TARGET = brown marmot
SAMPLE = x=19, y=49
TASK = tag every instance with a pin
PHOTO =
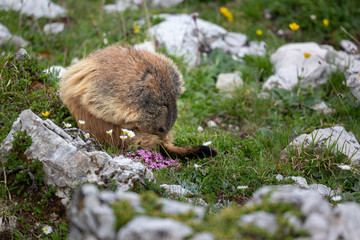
x=126, y=88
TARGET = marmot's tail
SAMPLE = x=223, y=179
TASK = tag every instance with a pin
x=187, y=152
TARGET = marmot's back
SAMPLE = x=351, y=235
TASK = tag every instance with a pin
x=121, y=87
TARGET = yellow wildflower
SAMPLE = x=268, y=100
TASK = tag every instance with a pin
x=225, y=11
x=326, y=22
x=259, y=32
x=136, y=29
x=45, y=114
x=293, y=26
x=306, y=55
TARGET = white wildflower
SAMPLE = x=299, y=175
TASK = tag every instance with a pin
x=336, y=198
x=47, y=229
x=81, y=122
x=345, y=167
x=196, y=166
x=211, y=123
x=67, y=125
x=200, y=129
x=131, y=134
x=87, y=135
x=207, y=143
x=123, y=137
x=109, y=132
x=242, y=187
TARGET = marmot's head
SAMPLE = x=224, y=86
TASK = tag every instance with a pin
x=159, y=88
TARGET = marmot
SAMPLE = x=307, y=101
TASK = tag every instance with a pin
x=120, y=87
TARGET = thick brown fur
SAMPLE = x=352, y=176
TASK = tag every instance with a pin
x=122, y=87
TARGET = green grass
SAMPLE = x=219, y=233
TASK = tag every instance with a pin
x=251, y=132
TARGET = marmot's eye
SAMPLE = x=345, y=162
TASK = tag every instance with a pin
x=161, y=129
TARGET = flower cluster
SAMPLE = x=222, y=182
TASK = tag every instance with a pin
x=225, y=11
x=152, y=160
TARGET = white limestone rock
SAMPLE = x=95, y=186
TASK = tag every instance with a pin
x=176, y=190
x=261, y=219
x=255, y=48
x=148, y=45
x=6, y=36
x=227, y=82
x=292, y=67
x=302, y=183
x=182, y=37
x=36, y=8
x=122, y=5
x=176, y=208
x=68, y=162
x=91, y=217
x=345, y=221
x=343, y=141
x=149, y=228
x=165, y=3
x=352, y=76
x=323, y=108
x=57, y=70
x=53, y=28
x=349, y=46
x=321, y=221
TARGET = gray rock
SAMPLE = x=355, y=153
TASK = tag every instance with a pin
x=301, y=182
x=122, y=5
x=90, y=217
x=306, y=200
x=227, y=82
x=68, y=161
x=343, y=141
x=255, y=48
x=322, y=190
x=352, y=76
x=149, y=228
x=175, y=208
x=58, y=70
x=36, y=8
x=165, y=3
x=6, y=36
x=203, y=236
x=293, y=220
x=293, y=68
x=176, y=190
x=53, y=28
x=345, y=222
x=323, y=108
x=183, y=37
x=148, y=45
x=317, y=225
x=261, y=219
x=21, y=54
x=349, y=46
